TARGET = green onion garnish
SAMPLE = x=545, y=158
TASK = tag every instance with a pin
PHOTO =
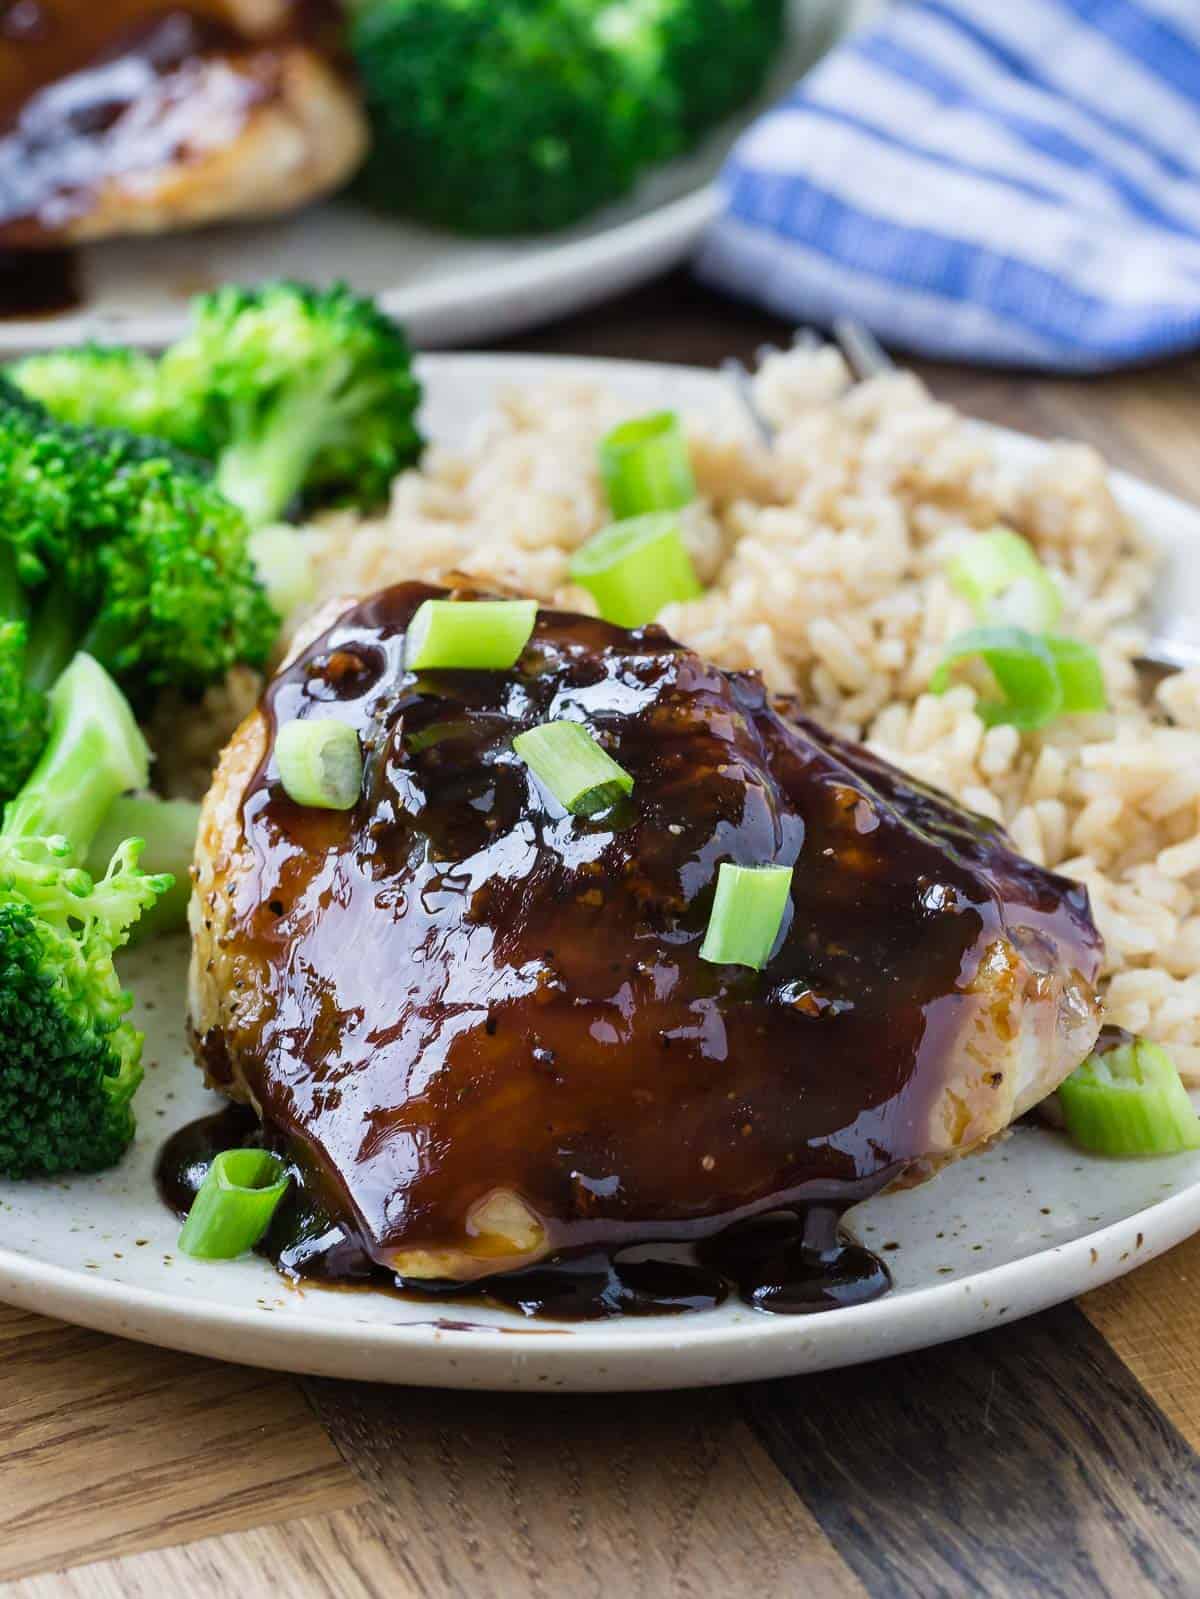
x=632, y=569
x=746, y=914
x=1005, y=582
x=234, y=1206
x=645, y=466
x=320, y=763
x=1079, y=675
x=1039, y=677
x=1129, y=1101
x=566, y=759
x=469, y=635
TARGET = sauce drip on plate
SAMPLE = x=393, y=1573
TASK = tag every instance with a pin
x=783, y=1264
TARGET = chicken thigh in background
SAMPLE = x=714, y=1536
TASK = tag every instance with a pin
x=131, y=116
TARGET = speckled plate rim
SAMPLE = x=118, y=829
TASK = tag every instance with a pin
x=660, y=1352
x=656, y=1353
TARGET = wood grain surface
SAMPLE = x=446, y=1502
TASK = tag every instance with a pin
x=1057, y=1456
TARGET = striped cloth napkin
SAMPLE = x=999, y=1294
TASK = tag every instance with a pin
x=1011, y=181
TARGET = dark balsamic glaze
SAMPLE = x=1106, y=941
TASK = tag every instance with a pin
x=105, y=90
x=796, y=1265
x=1113, y=1037
x=38, y=282
x=456, y=990
x=783, y=1264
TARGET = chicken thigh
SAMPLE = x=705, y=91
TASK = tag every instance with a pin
x=481, y=1026
x=127, y=116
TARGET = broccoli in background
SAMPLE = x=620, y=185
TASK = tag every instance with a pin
x=70, y=1062
x=99, y=385
x=292, y=391
x=526, y=116
x=115, y=545
x=717, y=52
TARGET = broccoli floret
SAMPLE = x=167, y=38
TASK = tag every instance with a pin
x=496, y=119
x=718, y=53
x=295, y=391
x=121, y=546
x=22, y=703
x=526, y=116
x=22, y=709
x=70, y=1061
x=100, y=385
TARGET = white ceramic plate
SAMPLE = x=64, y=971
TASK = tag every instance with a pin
x=447, y=289
x=998, y=1236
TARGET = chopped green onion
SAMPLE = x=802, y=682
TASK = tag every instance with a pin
x=566, y=759
x=1039, y=676
x=1079, y=675
x=746, y=914
x=435, y=733
x=1022, y=666
x=234, y=1206
x=320, y=763
x=632, y=569
x=1005, y=582
x=469, y=635
x=1129, y=1101
x=645, y=466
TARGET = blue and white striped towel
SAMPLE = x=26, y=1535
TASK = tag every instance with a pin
x=1013, y=181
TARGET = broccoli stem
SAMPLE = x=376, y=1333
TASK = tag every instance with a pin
x=94, y=752
x=53, y=640
x=14, y=602
x=53, y=626
x=168, y=829
x=263, y=473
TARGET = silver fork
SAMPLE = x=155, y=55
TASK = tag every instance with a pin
x=1173, y=641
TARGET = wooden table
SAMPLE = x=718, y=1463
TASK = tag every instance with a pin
x=1051, y=1457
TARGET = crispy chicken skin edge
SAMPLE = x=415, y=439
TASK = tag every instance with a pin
x=301, y=140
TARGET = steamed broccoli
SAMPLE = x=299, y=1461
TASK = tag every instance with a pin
x=69, y=1060
x=296, y=390
x=291, y=391
x=119, y=546
x=526, y=116
x=99, y=385
x=717, y=52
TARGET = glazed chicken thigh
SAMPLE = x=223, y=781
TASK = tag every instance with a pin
x=481, y=1027
x=128, y=116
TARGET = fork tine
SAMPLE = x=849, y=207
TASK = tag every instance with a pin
x=865, y=356
x=744, y=384
x=804, y=339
